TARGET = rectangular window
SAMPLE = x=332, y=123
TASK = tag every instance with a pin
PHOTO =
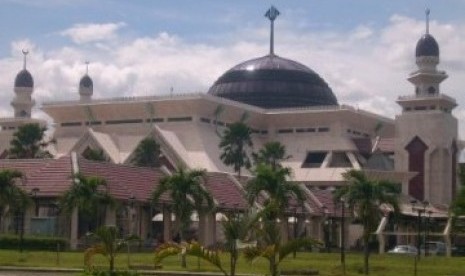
x=286, y=130
x=129, y=121
x=93, y=123
x=314, y=159
x=323, y=129
x=205, y=120
x=264, y=132
x=71, y=124
x=300, y=130
x=180, y=119
x=311, y=129
x=155, y=120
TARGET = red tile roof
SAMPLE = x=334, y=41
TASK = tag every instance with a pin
x=123, y=180
x=225, y=191
x=50, y=176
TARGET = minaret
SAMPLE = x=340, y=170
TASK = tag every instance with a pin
x=24, y=86
x=272, y=13
x=426, y=131
x=86, y=86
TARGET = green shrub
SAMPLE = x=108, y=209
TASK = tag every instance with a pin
x=108, y=273
x=33, y=242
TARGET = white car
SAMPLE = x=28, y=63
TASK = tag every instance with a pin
x=404, y=249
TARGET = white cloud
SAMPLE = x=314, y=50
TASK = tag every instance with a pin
x=85, y=33
x=365, y=67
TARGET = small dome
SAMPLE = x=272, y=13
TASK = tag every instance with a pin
x=273, y=82
x=24, y=79
x=427, y=46
x=86, y=81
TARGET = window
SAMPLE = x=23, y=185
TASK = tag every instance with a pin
x=286, y=130
x=314, y=159
x=71, y=124
x=93, y=123
x=340, y=160
x=180, y=119
x=205, y=120
x=155, y=120
x=129, y=121
x=323, y=129
x=431, y=90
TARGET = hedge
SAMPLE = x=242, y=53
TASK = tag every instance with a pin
x=33, y=242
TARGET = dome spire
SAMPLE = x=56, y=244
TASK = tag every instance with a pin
x=427, y=12
x=25, y=52
x=272, y=13
x=87, y=67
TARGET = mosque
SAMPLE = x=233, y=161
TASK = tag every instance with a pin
x=280, y=100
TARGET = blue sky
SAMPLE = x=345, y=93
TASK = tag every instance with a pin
x=364, y=49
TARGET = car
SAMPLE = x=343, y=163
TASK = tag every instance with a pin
x=434, y=248
x=404, y=249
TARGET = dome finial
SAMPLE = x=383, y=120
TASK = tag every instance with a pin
x=272, y=13
x=25, y=52
x=87, y=67
x=427, y=12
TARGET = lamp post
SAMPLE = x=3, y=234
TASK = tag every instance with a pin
x=428, y=220
x=420, y=210
x=343, y=253
x=295, y=229
x=326, y=228
x=33, y=193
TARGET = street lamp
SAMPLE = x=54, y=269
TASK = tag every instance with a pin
x=343, y=253
x=420, y=210
x=428, y=225
x=33, y=193
x=295, y=228
x=326, y=228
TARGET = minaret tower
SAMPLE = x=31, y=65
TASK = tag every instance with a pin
x=24, y=86
x=426, y=131
x=86, y=86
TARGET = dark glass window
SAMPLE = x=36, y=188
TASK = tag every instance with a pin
x=314, y=159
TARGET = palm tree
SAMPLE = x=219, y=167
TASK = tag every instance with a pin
x=147, y=153
x=235, y=228
x=270, y=245
x=273, y=181
x=28, y=142
x=185, y=189
x=272, y=153
x=365, y=196
x=89, y=195
x=13, y=199
x=109, y=245
x=234, y=144
x=11, y=196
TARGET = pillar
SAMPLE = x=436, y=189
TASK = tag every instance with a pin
x=110, y=216
x=167, y=225
x=74, y=229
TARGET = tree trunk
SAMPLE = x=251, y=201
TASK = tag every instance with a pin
x=273, y=268
x=182, y=239
x=366, y=250
x=112, y=264
x=233, y=260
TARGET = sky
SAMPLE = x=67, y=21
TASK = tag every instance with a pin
x=364, y=49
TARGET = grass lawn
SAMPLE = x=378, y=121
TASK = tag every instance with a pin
x=327, y=263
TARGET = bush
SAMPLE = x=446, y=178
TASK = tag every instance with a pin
x=33, y=242
x=108, y=273
x=308, y=271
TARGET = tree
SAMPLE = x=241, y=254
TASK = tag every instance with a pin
x=186, y=192
x=273, y=181
x=94, y=155
x=12, y=197
x=272, y=153
x=89, y=195
x=109, y=245
x=28, y=142
x=147, y=153
x=234, y=144
x=270, y=245
x=235, y=228
x=365, y=196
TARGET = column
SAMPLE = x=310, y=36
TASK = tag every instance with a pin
x=166, y=225
x=110, y=216
x=74, y=229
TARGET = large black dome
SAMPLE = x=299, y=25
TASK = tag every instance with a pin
x=273, y=82
x=427, y=46
x=24, y=79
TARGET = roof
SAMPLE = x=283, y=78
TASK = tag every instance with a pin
x=24, y=79
x=427, y=46
x=273, y=82
x=225, y=190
